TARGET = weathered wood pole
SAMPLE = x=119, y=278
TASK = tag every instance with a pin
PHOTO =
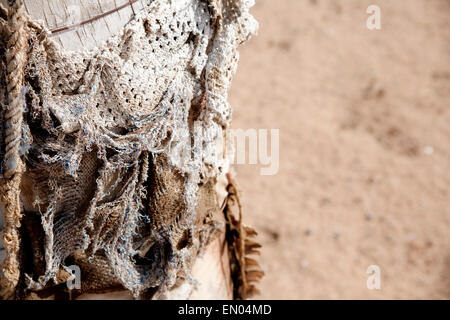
x=83, y=25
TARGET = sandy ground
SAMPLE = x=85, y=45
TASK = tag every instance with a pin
x=364, y=150
x=364, y=147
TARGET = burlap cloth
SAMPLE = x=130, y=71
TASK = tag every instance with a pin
x=116, y=146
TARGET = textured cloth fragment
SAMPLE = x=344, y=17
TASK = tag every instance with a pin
x=118, y=145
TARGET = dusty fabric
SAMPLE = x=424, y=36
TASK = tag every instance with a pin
x=105, y=186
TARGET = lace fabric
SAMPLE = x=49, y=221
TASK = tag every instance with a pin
x=102, y=135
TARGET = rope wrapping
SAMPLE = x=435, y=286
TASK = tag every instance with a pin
x=16, y=59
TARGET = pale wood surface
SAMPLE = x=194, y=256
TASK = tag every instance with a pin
x=57, y=14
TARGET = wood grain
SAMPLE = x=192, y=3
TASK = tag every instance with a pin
x=86, y=24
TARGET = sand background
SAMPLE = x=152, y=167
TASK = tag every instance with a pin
x=364, y=147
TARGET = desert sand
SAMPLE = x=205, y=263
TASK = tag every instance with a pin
x=364, y=147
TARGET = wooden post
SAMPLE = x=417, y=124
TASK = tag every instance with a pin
x=83, y=25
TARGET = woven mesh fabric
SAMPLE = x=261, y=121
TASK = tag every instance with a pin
x=105, y=187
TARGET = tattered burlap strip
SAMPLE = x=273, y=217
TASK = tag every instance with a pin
x=120, y=150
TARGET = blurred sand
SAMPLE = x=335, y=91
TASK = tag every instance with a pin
x=365, y=147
